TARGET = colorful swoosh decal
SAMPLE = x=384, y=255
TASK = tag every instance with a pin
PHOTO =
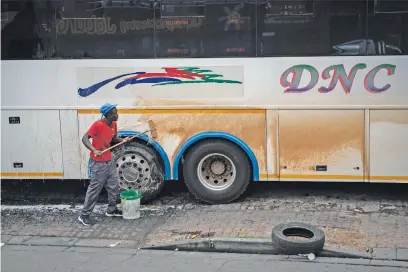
x=170, y=76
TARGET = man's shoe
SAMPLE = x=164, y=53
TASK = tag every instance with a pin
x=85, y=220
x=116, y=212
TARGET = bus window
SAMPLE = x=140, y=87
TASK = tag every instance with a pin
x=231, y=29
x=27, y=30
x=123, y=32
x=347, y=27
x=179, y=37
x=311, y=28
x=387, y=27
x=292, y=28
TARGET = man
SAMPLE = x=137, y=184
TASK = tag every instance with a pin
x=103, y=169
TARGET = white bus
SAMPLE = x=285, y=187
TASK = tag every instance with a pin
x=239, y=91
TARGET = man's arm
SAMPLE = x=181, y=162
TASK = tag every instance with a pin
x=87, y=143
x=116, y=139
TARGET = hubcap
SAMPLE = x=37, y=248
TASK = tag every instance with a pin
x=216, y=171
x=133, y=171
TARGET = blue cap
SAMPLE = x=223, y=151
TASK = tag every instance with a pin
x=106, y=108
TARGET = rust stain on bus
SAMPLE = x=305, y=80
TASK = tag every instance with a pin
x=249, y=127
x=327, y=137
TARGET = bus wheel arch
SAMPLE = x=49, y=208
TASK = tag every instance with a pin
x=216, y=170
x=141, y=166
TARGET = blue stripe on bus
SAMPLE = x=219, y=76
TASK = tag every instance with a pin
x=155, y=145
x=223, y=135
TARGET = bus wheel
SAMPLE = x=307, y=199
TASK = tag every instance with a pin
x=216, y=171
x=139, y=169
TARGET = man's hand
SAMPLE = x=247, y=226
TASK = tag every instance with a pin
x=97, y=152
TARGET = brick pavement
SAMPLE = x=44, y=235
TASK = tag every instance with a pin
x=348, y=224
x=357, y=220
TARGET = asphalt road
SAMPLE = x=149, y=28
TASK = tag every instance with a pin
x=44, y=259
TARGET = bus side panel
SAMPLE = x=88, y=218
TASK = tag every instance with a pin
x=175, y=127
x=31, y=144
x=70, y=144
x=322, y=145
x=389, y=145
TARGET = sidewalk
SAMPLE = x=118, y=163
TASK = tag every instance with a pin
x=347, y=223
x=25, y=258
x=350, y=220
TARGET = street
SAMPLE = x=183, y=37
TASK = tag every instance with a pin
x=44, y=259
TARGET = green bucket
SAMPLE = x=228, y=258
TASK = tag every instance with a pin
x=130, y=195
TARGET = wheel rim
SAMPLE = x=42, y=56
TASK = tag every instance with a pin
x=216, y=172
x=133, y=171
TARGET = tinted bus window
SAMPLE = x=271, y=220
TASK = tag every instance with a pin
x=27, y=30
x=311, y=28
x=179, y=37
x=224, y=30
x=122, y=32
x=387, y=27
x=231, y=29
x=347, y=24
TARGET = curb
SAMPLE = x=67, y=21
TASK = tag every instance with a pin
x=222, y=245
x=261, y=246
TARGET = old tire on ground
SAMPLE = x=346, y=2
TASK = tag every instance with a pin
x=139, y=169
x=216, y=171
x=285, y=245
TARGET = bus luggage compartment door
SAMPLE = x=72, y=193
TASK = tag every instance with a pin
x=322, y=145
x=389, y=146
x=31, y=144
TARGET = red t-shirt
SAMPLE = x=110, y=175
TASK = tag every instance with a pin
x=102, y=135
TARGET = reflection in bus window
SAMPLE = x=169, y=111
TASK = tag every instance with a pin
x=347, y=27
x=28, y=30
x=47, y=29
x=179, y=37
x=230, y=30
x=299, y=30
x=122, y=33
x=387, y=28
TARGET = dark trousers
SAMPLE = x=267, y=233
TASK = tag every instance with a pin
x=104, y=174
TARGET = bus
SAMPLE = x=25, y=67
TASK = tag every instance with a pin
x=239, y=91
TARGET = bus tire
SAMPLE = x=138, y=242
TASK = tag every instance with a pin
x=139, y=169
x=216, y=171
